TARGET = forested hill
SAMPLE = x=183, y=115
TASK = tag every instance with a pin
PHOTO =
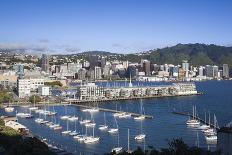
x=196, y=54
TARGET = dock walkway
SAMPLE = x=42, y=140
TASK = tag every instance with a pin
x=114, y=111
x=198, y=118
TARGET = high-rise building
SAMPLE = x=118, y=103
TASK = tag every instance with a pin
x=185, y=65
x=19, y=69
x=201, y=71
x=211, y=71
x=97, y=72
x=106, y=71
x=131, y=71
x=93, y=61
x=225, y=71
x=147, y=67
x=103, y=62
x=45, y=63
x=81, y=74
x=215, y=71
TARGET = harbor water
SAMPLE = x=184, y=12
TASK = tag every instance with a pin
x=165, y=125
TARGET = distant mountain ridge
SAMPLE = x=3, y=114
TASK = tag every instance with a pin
x=197, y=54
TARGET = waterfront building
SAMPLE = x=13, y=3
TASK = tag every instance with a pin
x=45, y=63
x=225, y=71
x=27, y=84
x=44, y=90
x=23, y=88
x=91, y=91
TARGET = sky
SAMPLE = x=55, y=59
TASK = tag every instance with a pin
x=122, y=26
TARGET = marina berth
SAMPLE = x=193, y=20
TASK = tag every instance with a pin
x=140, y=137
x=9, y=109
x=24, y=115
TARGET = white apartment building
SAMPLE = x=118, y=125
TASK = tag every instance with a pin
x=26, y=85
x=44, y=90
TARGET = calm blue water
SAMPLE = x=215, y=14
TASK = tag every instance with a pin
x=217, y=99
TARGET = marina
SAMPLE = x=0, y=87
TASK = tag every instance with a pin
x=166, y=125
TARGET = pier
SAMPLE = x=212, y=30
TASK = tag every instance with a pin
x=114, y=111
x=72, y=100
x=198, y=118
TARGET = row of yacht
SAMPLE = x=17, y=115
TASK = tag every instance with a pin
x=209, y=130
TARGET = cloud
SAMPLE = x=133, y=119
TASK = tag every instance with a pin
x=13, y=46
x=43, y=40
x=73, y=50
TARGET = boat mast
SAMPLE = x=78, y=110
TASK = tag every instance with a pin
x=128, y=141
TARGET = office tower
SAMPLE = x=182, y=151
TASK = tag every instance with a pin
x=147, y=67
x=225, y=70
x=81, y=74
x=215, y=71
x=93, y=61
x=97, y=72
x=131, y=71
x=103, y=62
x=185, y=65
x=19, y=69
x=45, y=63
x=201, y=71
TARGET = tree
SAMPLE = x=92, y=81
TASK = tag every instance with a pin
x=34, y=99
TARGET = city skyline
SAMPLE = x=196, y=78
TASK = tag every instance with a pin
x=114, y=26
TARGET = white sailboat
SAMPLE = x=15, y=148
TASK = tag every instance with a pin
x=205, y=126
x=211, y=134
x=34, y=107
x=141, y=116
x=194, y=121
x=57, y=127
x=65, y=117
x=117, y=149
x=24, y=115
x=74, y=133
x=73, y=118
x=103, y=127
x=9, y=108
x=67, y=130
x=91, y=139
x=39, y=120
x=114, y=130
x=91, y=123
x=141, y=136
x=117, y=114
